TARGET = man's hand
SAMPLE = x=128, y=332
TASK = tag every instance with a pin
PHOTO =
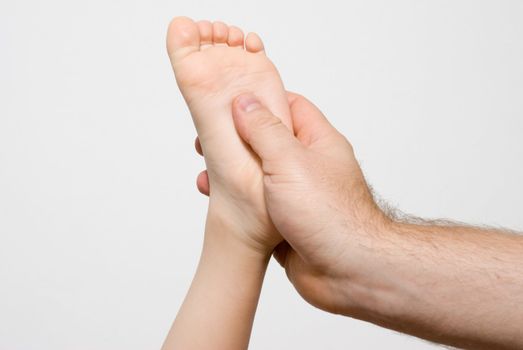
x=452, y=284
x=315, y=193
x=316, y=196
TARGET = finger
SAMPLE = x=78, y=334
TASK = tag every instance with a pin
x=202, y=183
x=198, y=146
x=262, y=130
x=309, y=123
x=280, y=252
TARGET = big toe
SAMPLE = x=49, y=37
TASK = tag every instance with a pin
x=183, y=37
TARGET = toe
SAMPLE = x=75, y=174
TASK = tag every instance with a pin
x=253, y=43
x=235, y=37
x=205, y=28
x=183, y=37
x=220, y=33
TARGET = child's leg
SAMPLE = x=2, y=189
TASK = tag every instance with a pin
x=213, y=64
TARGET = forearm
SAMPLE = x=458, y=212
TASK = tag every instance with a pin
x=455, y=285
x=219, y=308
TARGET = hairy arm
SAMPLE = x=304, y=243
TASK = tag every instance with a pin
x=219, y=308
x=452, y=284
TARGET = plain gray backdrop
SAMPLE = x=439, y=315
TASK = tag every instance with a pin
x=100, y=221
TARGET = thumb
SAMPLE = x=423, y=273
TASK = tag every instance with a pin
x=268, y=137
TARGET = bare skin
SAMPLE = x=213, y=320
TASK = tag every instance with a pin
x=451, y=284
x=213, y=63
x=219, y=308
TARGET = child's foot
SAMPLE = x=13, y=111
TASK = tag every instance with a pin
x=213, y=64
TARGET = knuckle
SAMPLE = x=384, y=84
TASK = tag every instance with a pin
x=342, y=140
x=265, y=121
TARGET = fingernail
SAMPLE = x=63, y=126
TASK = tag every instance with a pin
x=248, y=103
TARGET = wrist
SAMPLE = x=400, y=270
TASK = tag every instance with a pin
x=348, y=281
x=372, y=286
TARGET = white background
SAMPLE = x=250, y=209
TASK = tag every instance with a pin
x=100, y=221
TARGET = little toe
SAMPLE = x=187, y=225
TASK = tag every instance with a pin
x=183, y=37
x=236, y=38
x=253, y=43
x=205, y=28
x=220, y=33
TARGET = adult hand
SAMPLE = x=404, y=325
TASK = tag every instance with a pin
x=316, y=196
x=344, y=255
